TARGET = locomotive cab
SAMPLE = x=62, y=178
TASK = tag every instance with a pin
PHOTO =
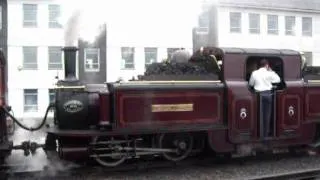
x=245, y=121
x=276, y=65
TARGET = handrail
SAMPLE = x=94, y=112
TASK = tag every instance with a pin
x=166, y=82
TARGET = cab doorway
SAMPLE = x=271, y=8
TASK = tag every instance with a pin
x=276, y=65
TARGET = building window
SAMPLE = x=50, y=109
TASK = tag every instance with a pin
x=150, y=55
x=203, y=22
x=55, y=58
x=1, y=17
x=51, y=96
x=308, y=57
x=30, y=100
x=307, y=26
x=30, y=58
x=235, y=22
x=290, y=25
x=127, y=54
x=273, y=24
x=92, y=59
x=54, y=14
x=170, y=52
x=29, y=15
x=254, y=23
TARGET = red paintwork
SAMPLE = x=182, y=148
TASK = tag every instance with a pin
x=291, y=96
x=312, y=107
x=239, y=97
x=134, y=108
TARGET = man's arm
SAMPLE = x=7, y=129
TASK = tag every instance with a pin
x=251, y=81
x=274, y=77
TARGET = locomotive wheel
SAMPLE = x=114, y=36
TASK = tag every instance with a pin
x=182, y=143
x=108, y=148
x=50, y=143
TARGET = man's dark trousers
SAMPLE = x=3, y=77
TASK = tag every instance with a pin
x=265, y=111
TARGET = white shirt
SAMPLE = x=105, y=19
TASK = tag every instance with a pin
x=262, y=79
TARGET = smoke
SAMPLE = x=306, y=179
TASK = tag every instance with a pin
x=82, y=20
x=72, y=29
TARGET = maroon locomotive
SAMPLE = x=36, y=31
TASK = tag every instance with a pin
x=175, y=115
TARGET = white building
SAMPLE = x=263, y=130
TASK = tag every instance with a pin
x=275, y=24
x=149, y=34
x=34, y=57
x=36, y=36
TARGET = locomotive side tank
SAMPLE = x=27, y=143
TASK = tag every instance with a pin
x=175, y=115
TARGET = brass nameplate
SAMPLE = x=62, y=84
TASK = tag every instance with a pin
x=172, y=107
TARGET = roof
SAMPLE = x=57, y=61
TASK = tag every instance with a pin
x=307, y=5
x=259, y=51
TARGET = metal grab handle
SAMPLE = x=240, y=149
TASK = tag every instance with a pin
x=291, y=111
x=243, y=113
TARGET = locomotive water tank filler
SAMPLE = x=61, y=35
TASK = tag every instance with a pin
x=175, y=115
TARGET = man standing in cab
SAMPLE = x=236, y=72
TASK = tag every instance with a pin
x=261, y=80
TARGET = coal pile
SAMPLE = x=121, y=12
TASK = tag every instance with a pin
x=179, y=71
x=175, y=69
x=311, y=73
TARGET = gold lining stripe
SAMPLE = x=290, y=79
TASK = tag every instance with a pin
x=171, y=107
x=70, y=87
x=313, y=81
x=168, y=82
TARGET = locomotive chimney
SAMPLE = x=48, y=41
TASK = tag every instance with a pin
x=70, y=78
x=70, y=55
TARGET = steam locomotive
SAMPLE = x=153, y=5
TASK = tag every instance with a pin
x=176, y=114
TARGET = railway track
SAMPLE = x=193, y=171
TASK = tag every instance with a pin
x=297, y=175
x=141, y=166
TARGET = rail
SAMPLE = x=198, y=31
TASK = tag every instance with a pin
x=302, y=174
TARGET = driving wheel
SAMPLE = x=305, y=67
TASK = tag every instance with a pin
x=182, y=143
x=107, y=151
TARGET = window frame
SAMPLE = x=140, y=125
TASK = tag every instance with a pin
x=36, y=105
x=29, y=23
x=147, y=51
x=233, y=15
x=130, y=50
x=292, y=30
x=309, y=32
x=54, y=23
x=258, y=23
x=49, y=58
x=24, y=48
x=270, y=20
x=1, y=17
x=85, y=60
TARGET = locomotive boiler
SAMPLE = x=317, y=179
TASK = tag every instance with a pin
x=178, y=108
